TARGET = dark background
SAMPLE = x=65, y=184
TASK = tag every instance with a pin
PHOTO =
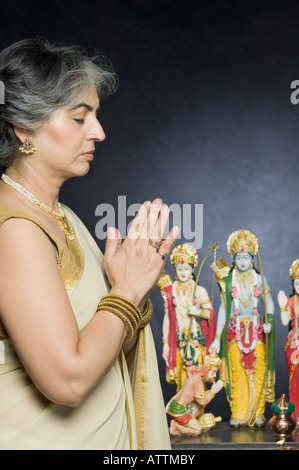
x=202, y=116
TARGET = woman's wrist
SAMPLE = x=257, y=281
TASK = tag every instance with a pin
x=125, y=309
x=129, y=312
x=129, y=294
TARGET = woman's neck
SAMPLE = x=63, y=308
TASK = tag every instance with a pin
x=44, y=188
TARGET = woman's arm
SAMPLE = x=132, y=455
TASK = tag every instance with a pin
x=63, y=362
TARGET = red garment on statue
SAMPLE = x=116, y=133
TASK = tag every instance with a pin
x=247, y=358
x=292, y=360
x=183, y=420
x=207, y=328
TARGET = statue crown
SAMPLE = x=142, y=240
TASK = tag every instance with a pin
x=184, y=254
x=294, y=269
x=212, y=360
x=242, y=241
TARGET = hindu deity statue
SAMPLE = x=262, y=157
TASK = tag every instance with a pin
x=189, y=319
x=186, y=407
x=244, y=336
x=289, y=313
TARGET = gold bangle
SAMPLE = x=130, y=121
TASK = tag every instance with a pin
x=125, y=309
x=125, y=304
x=164, y=340
x=128, y=311
x=122, y=316
x=218, y=336
x=124, y=299
x=147, y=313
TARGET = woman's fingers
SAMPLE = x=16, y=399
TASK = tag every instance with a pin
x=138, y=222
x=168, y=243
x=149, y=224
x=145, y=222
x=158, y=229
x=113, y=242
x=151, y=220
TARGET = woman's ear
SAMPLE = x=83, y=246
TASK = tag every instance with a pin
x=27, y=144
x=20, y=133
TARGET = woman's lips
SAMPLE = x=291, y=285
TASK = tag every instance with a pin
x=89, y=156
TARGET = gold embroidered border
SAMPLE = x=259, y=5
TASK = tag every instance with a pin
x=140, y=395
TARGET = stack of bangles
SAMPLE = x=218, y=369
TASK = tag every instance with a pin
x=127, y=311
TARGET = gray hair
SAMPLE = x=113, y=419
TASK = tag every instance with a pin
x=40, y=78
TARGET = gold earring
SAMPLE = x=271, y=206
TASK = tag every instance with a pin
x=27, y=146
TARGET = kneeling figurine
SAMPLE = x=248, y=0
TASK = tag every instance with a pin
x=187, y=405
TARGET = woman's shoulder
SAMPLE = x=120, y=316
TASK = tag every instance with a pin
x=10, y=211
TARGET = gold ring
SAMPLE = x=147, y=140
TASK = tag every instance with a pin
x=163, y=255
x=154, y=244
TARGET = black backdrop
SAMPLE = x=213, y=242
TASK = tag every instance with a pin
x=202, y=116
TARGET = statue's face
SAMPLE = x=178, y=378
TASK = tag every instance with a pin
x=211, y=376
x=183, y=272
x=243, y=261
x=296, y=286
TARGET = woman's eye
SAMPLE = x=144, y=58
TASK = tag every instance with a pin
x=80, y=121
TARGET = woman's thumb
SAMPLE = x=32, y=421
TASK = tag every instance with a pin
x=112, y=242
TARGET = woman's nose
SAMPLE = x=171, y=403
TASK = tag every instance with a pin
x=97, y=132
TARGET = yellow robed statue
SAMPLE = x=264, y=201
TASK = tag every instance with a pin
x=244, y=337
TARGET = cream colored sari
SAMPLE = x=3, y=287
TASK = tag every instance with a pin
x=124, y=411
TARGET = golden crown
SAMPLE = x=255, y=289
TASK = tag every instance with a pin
x=212, y=360
x=242, y=240
x=294, y=269
x=184, y=254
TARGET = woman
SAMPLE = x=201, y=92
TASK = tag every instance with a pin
x=289, y=312
x=75, y=362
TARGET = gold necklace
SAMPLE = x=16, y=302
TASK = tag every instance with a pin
x=182, y=290
x=241, y=276
x=244, y=278
x=58, y=215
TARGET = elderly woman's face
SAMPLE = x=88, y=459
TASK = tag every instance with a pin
x=66, y=143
